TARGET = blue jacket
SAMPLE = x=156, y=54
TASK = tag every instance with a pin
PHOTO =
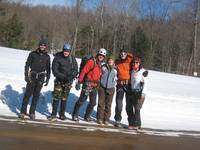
x=109, y=77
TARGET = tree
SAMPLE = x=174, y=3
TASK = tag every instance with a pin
x=141, y=45
x=14, y=32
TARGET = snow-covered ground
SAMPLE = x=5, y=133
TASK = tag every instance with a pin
x=172, y=103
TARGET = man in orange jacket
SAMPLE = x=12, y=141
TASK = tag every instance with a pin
x=123, y=64
x=90, y=77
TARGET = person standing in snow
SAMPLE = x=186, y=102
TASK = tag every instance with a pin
x=106, y=91
x=90, y=77
x=37, y=72
x=123, y=65
x=65, y=70
x=138, y=87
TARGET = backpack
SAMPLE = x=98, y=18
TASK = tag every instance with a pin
x=84, y=60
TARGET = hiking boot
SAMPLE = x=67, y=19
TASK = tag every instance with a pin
x=22, y=116
x=106, y=123
x=130, y=127
x=63, y=117
x=51, y=118
x=136, y=127
x=87, y=119
x=75, y=118
x=118, y=124
x=32, y=116
x=100, y=122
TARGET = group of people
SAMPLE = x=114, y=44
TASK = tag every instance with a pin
x=98, y=76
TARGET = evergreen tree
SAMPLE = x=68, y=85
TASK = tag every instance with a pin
x=14, y=32
x=140, y=45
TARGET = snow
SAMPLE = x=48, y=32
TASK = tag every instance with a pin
x=172, y=101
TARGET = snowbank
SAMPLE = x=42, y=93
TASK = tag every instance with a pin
x=172, y=103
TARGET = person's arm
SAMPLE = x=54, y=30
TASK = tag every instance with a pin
x=27, y=67
x=75, y=69
x=145, y=80
x=48, y=70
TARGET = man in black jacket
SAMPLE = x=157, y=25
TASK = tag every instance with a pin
x=37, y=73
x=65, y=69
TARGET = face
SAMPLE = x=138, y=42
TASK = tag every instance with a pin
x=66, y=53
x=123, y=55
x=136, y=64
x=110, y=62
x=100, y=58
x=42, y=47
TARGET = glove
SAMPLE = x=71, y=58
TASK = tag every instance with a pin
x=141, y=85
x=46, y=82
x=78, y=86
x=27, y=79
x=145, y=73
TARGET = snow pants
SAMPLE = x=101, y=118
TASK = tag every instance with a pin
x=33, y=88
x=104, y=103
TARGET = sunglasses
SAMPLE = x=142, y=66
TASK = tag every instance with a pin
x=43, y=45
x=123, y=54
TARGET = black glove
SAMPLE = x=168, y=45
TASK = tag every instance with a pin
x=145, y=73
x=78, y=86
x=27, y=78
x=141, y=85
x=46, y=82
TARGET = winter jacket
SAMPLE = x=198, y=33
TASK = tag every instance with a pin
x=138, y=81
x=124, y=67
x=91, y=72
x=109, y=76
x=64, y=68
x=38, y=62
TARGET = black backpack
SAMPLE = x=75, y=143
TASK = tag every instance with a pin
x=84, y=60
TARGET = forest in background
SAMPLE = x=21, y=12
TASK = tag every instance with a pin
x=164, y=33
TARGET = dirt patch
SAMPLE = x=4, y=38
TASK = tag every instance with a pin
x=14, y=136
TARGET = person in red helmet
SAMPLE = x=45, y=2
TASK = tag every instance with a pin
x=89, y=78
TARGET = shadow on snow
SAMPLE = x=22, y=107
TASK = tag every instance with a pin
x=13, y=99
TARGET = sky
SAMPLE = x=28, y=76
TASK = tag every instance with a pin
x=50, y=2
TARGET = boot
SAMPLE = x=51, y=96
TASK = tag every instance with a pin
x=75, y=118
x=51, y=118
x=62, y=117
x=32, y=116
x=22, y=116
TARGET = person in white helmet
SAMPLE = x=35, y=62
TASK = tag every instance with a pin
x=89, y=77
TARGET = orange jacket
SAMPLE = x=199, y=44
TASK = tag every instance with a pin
x=124, y=67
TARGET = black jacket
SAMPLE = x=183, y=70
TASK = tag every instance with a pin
x=64, y=68
x=38, y=62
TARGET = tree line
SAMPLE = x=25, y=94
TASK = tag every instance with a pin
x=163, y=33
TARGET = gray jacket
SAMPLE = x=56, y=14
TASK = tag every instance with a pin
x=109, y=77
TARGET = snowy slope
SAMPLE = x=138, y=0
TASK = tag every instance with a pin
x=172, y=103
